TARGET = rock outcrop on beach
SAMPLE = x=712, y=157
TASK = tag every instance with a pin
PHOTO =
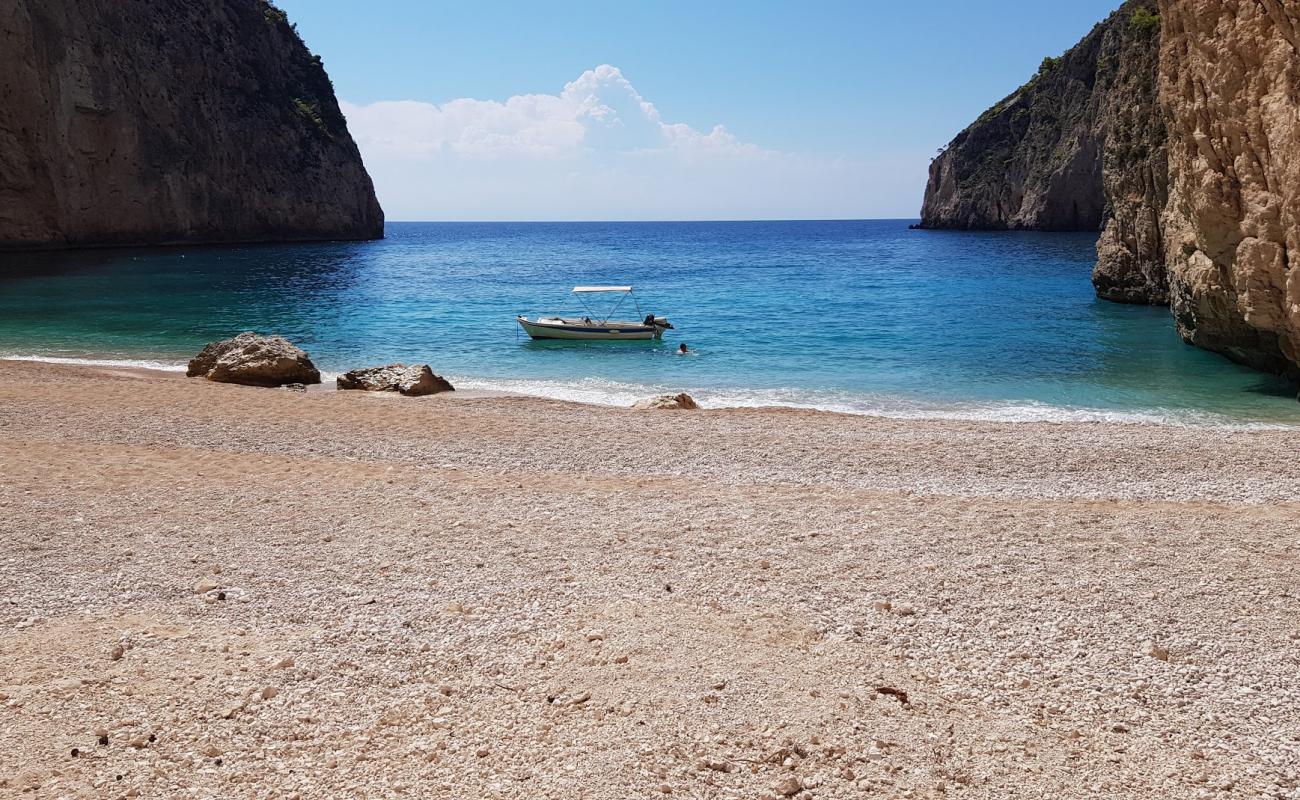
x=1178, y=122
x=254, y=361
x=168, y=121
x=412, y=381
x=669, y=402
x=1230, y=87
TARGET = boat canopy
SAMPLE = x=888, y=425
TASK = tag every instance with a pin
x=586, y=289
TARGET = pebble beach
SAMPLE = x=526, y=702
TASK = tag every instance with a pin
x=215, y=591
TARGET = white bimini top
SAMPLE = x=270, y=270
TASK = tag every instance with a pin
x=585, y=289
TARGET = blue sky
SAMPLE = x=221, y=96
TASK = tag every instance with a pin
x=828, y=109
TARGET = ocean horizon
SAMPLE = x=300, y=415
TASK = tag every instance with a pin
x=853, y=316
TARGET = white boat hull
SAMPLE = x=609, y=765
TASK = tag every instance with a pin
x=557, y=328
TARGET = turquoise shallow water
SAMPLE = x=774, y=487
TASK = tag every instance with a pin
x=862, y=316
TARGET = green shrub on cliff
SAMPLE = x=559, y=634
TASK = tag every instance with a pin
x=991, y=112
x=275, y=16
x=1144, y=19
x=310, y=112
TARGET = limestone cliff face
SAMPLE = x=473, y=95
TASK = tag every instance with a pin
x=1130, y=264
x=1230, y=89
x=1079, y=147
x=1035, y=160
x=1183, y=143
x=1029, y=162
x=157, y=121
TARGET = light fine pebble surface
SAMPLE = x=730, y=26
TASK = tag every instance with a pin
x=215, y=591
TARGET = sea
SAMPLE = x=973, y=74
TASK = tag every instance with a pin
x=863, y=317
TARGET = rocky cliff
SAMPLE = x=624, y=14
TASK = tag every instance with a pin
x=1130, y=264
x=158, y=121
x=1230, y=90
x=1078, y=147
x=1034, y=160
x=1181, y=123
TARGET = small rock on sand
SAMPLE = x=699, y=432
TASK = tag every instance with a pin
x=671, y=402
x=412, y=381
x=1157, y=652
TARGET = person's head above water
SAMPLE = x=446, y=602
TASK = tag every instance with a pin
x=681, y=348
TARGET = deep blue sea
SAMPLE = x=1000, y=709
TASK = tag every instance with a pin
x=858, y=316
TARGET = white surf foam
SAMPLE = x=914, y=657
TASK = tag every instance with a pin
x=599, y=391
x=164, y=366
x=612, y=393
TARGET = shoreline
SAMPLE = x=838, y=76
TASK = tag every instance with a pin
x=843, y=436
x=210, y=587
x=623, y=396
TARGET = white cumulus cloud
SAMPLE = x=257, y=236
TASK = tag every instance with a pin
x=600, y=111
x=595, y=150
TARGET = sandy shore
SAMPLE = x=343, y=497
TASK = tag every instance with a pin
x=218, y=591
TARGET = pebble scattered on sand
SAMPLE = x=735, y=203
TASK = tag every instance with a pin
x=1059, y=610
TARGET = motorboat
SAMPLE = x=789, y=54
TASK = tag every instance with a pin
x=593, y=325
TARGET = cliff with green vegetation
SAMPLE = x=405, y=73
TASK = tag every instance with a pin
x=1173, y=129
x=1130, y=264
x=169, y=121
x=1078, y=147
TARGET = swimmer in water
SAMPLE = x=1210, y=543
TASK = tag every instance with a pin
x=681, y=349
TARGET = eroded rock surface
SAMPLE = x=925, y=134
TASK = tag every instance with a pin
x=1130, y=264
x=156, y=121
x=1230, y=89
x=1186, y=123
x=1078, y=147
x=254, y=361
x=1034, y=161
x=412, y=381
x=672, y=402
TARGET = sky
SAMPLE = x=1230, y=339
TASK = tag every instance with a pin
x=670, y=110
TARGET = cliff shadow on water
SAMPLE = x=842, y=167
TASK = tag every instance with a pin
x=164, y=303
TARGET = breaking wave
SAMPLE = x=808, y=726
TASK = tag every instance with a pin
x=612, y=393
x=599, y=391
